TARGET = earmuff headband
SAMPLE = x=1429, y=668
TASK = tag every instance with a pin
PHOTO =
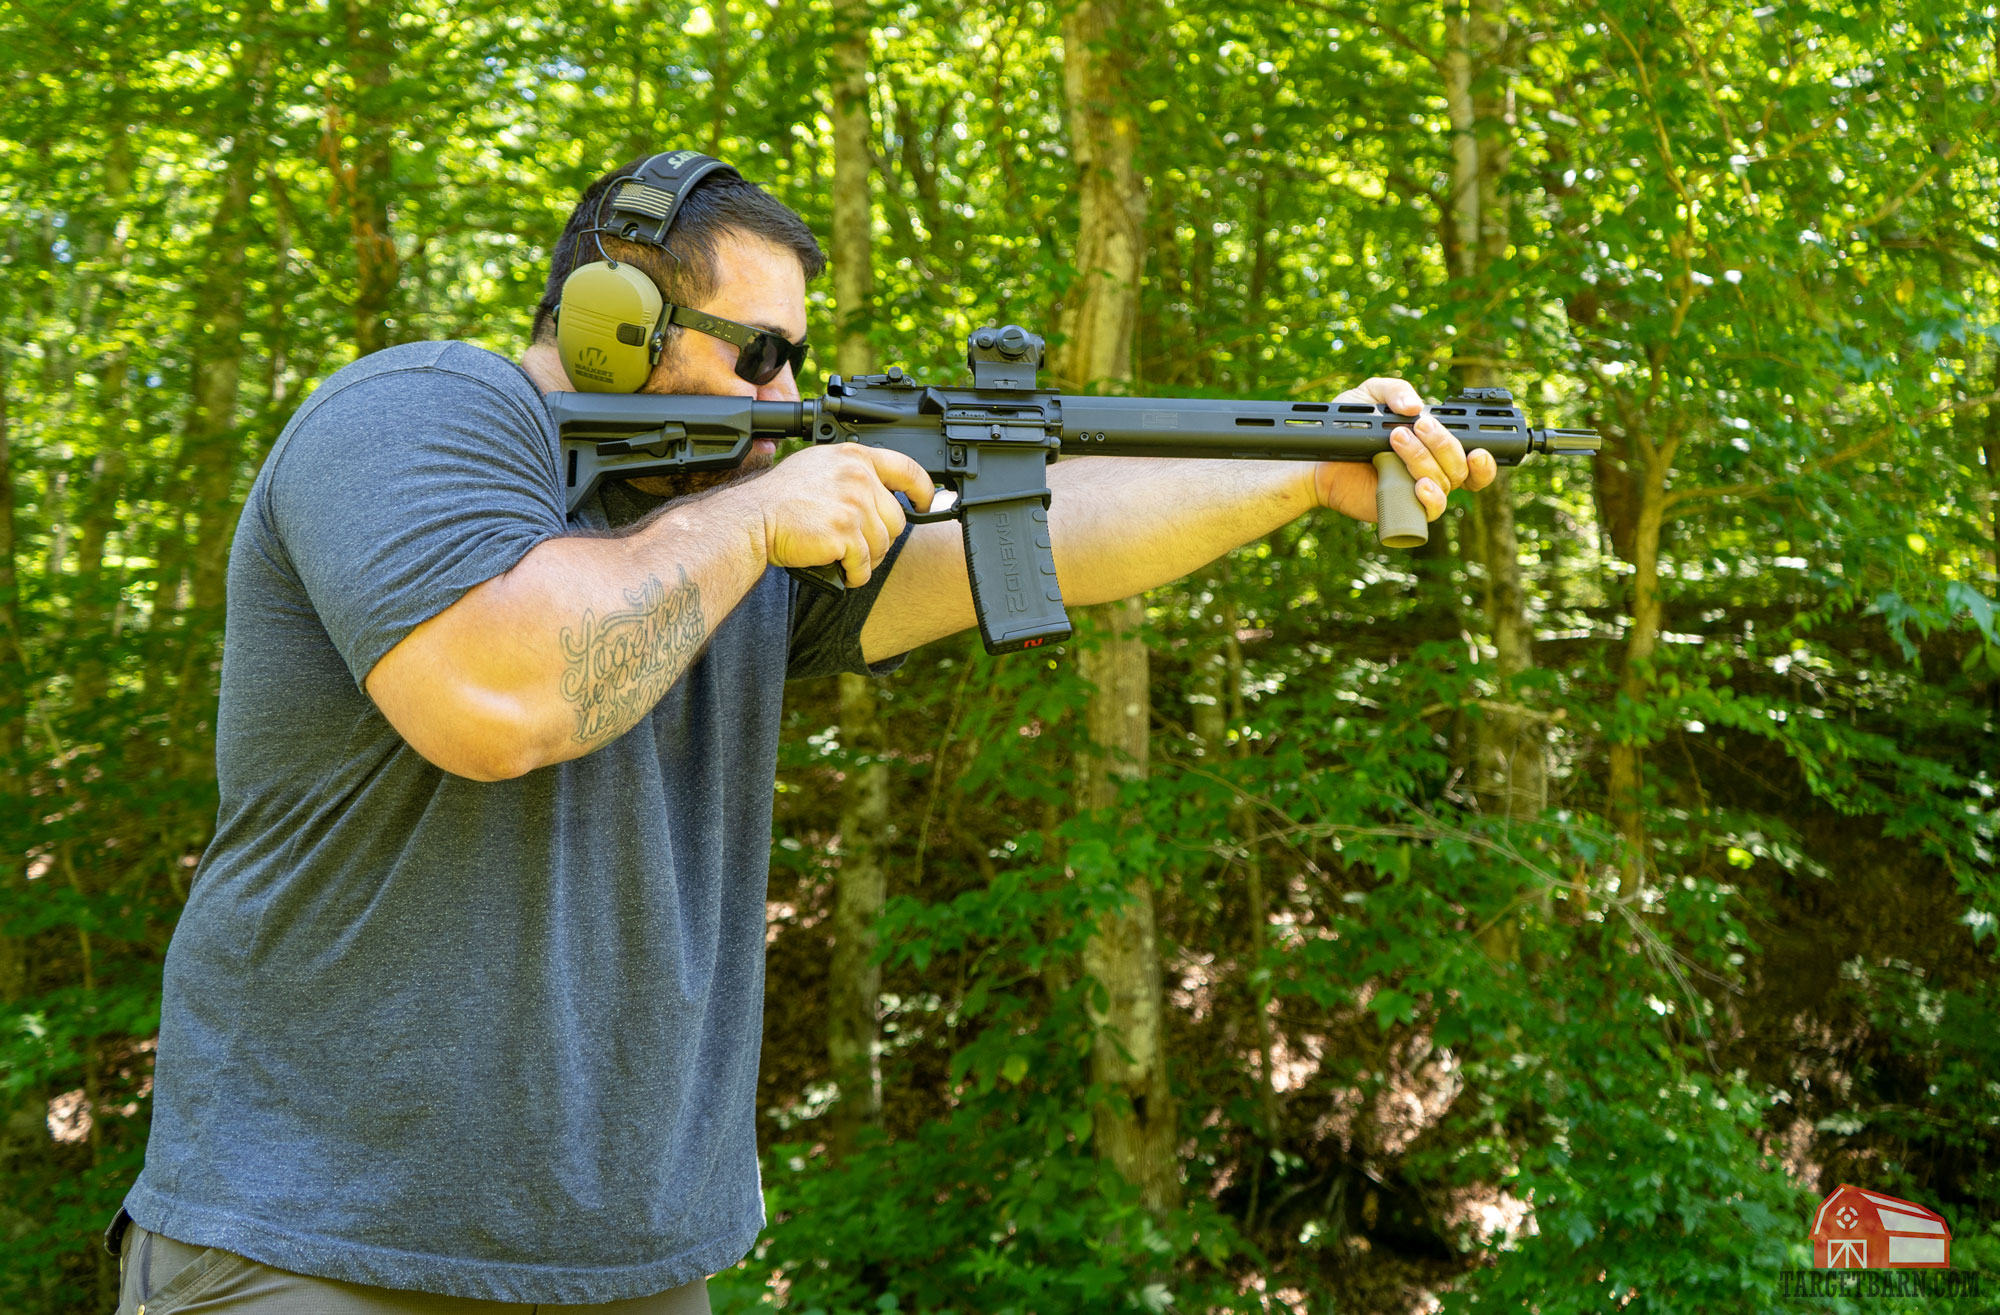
x=652, y=195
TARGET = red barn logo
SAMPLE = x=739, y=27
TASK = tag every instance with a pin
x=1867, y=1230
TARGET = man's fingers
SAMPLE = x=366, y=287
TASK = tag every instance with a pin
x=876, y=530
x=855, y=564
x=839, y=502
x=891, y=512
x=867, y=541
x=1417, y=455
x=1396, y=394
x=898, y=472
x=1445, y=447
x=1432, y=497
x=1436, y=457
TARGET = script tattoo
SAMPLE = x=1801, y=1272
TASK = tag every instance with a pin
x=620, y=664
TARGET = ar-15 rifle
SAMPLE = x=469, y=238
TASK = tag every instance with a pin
x=990, y=445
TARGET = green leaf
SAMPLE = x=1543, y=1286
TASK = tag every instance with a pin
x=1391, y=1007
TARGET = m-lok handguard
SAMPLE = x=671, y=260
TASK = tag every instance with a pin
x=989, y=447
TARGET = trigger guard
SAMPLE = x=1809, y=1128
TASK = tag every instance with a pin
x=945, y=506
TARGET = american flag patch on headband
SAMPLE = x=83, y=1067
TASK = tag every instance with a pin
x=646, y=200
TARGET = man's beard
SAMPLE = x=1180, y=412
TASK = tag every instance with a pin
x=692, y=483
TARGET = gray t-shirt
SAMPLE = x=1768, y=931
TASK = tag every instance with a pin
x=493, y=1040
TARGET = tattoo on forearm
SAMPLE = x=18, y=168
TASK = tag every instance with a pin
x=618, y=665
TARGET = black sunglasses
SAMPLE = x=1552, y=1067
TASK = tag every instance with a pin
x=760, y=355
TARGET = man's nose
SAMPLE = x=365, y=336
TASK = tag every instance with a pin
x=782, y=388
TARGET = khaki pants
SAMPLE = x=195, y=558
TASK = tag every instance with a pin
x=159, y=1276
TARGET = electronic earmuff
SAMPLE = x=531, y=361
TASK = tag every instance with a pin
x=608, y=328
x=611, y=323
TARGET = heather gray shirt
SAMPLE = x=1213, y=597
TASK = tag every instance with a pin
x=494, y=1040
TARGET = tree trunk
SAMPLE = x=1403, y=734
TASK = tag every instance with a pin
x=722, y=78
x=1201, y=290
x=1263, y=256
x=275, y=404
x=1989, y=443
x=366, y=175
x=97, y=598
x=853, y=1022
x=1615, y=482
x=1102, y=307
x=1635, y=682
x=1511, y=771
x=1989, y=446
x=1221, y=685
x=638, y=122
x=854, y=986
x=211, y=447
x=13, y=721
x=22, y=1137
x=1162, y=335
x=1136, y=1129
x=853, y=194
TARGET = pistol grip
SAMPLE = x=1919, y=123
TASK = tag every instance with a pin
x=1399, y=517
x=827, y=577
x=944, y=507
x=1013, y=573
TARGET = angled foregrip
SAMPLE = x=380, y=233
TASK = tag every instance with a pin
x=1013, y=576
x=1399, y=517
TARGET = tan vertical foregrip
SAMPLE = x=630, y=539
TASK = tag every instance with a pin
x=1399, y=517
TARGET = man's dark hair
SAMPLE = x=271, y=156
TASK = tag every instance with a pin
x=687, y=273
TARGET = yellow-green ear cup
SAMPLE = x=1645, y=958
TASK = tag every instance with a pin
x=604, y=330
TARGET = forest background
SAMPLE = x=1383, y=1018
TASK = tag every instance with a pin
x=1544, y=917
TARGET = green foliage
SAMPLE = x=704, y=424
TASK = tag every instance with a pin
x=999, y=1194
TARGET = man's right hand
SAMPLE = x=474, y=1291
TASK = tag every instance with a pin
x=837, y=503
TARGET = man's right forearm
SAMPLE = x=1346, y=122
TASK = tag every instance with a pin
x=570, y=648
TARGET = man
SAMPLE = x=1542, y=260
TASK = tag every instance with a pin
x=464, y=1009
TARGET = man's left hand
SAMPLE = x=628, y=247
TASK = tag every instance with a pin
x=1437, y=460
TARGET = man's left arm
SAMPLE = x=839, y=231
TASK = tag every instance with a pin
x=1121, y=525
